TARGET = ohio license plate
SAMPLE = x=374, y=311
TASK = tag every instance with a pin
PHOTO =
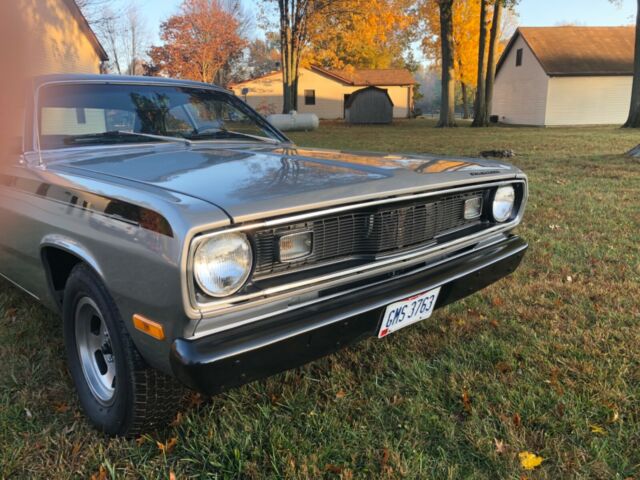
x=406, y=312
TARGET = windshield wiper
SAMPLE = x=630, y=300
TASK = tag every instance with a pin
x=223, y=132
x=117, y=133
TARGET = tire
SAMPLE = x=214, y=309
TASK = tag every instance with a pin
x=120, y=394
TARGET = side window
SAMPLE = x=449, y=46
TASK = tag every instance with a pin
x=309, y=97
x=518, y=57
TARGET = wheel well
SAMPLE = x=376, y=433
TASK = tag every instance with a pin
x=58, y=264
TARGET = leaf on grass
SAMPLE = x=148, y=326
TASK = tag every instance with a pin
x=172, y=475
x=385, y=457
x=168, y=446
x=501, y=447
x=466, y=401
x=341, y=394
x=11, y=313
x=615, y=416
x=529, y=460
x=61, y=407
x=333, y=469
x=516, y=419
x=597, y=429
x=101, y=475
x=178, y=420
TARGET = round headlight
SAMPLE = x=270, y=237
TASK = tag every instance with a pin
x=503, y=202
x=222, y=264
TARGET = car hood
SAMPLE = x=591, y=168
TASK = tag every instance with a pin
x=251, y=182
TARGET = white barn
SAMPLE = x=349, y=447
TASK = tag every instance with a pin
x=565, y=76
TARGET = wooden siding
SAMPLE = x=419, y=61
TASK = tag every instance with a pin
x=59, y=43
x=520, y=93
x=588, y=100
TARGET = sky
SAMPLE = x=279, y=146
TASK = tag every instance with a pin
x=532, y=12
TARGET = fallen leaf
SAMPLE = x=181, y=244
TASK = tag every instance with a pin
x=501, y=447
x=615, y=416
x=178, y=420
x=333, y=469
x=101, y=475
x=172, y=475
x=503, y=367
x=466, y=401
x=385, y=457
x=497, y=301
x=597, y=429
x=61, y=407
x=341, y=394
x=529, y=460
x=141, y=440
x=168, y=446
x=28, y=413
x=516, y=419
x=10, y=313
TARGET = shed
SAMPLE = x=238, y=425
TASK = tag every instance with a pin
x=369, y=105
x=551, y=76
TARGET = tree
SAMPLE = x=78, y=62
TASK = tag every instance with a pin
x=366, y=34
x=293, y=21
x=480, y=109
x=447, y=100
x=484, y=98
x=199, y=41
x=465, y=39
x=633, y=121
x=494, y=38
x=263, y=56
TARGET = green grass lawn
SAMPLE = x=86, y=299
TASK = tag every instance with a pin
x=546, y=361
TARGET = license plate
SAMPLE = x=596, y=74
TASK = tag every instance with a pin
x=406, y=312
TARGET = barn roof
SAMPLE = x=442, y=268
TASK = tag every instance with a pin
x=578, y=51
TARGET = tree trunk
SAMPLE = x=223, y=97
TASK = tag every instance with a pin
x=465, y=101
x=491, y=62
x=480, y=108
x=634, y=110
x=447, y=100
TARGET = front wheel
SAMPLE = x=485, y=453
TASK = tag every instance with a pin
x=117, y=390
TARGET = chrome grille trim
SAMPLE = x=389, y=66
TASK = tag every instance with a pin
x=366, y=233
x=347, y=275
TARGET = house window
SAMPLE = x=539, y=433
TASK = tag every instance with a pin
x=518, y=57
x=309, y=97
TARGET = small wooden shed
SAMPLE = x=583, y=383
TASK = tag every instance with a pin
x=369, y=105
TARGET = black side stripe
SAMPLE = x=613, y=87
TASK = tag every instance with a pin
x=111, y=207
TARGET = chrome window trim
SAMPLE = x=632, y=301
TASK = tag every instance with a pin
x=194, y=307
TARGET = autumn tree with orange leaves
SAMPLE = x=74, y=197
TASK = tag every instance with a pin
x=199, y=41
x=366, y=34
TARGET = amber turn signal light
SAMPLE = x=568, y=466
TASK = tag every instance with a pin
x=149, y=327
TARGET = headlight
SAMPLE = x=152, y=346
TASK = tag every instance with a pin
x=503, y=202
x=222, y=264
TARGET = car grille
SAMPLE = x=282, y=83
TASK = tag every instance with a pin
x=366, y=232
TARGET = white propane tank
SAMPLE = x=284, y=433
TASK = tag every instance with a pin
x=294, y=121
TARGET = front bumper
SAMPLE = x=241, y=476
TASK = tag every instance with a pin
x=240, y=355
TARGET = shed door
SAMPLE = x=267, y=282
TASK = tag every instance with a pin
x=344, y=105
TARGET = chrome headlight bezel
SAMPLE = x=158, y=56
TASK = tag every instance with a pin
x=243, y=250
x=503, y=203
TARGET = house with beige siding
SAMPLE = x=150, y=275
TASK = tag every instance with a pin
x=326, y=92
x=61, y=40
x=565, y=76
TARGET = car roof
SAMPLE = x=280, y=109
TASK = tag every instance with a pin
x=81, y=78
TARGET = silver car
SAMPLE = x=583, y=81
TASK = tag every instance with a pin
x=187, y=242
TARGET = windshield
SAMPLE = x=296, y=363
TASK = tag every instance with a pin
x=96, y=114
